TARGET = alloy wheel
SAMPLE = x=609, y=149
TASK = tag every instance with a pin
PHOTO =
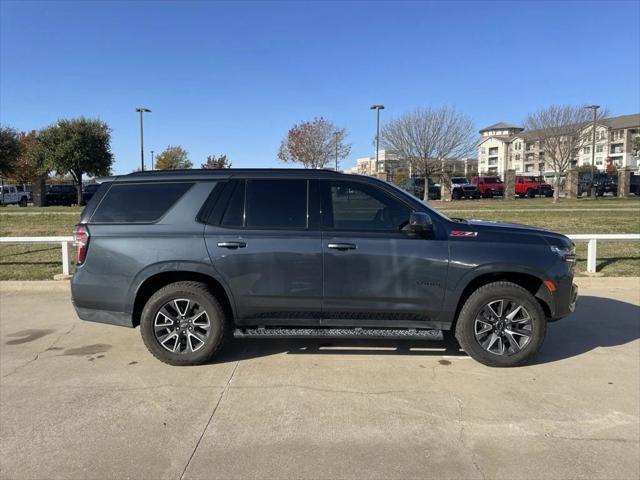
x=503, y=327
x=182, y=326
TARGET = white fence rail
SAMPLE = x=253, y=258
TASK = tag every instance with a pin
x=63, y=241
x=592, y=245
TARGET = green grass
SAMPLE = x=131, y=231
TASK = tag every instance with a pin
x=604, y=215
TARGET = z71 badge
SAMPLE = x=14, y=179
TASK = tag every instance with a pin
x=463, y=233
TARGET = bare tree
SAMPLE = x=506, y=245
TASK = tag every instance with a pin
x=427, y=136
x=314, y=144
x=561, y=131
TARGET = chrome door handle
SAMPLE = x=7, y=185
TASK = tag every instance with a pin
x=232, y=245
x=342, y=246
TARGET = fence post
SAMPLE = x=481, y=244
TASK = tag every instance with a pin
x=592, y=247
x=65, y=258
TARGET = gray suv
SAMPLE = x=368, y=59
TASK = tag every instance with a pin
x=197, y=256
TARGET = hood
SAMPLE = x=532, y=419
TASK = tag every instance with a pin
x=552, y=238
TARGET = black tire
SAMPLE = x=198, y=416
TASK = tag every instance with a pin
x=466, y=324
x=23, y=202
x=488, y=194
x=201, y=296
x=530, y=193
x=455, y=195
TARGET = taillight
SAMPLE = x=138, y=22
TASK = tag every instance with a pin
x=81, y=242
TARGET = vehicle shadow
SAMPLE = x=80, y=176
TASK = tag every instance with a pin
x=597, y=322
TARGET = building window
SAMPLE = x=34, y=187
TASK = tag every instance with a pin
x=528, y=167
x=483, y=150
x=517, y=157
x=586, y=150
x=600, y=149
x=493, y=151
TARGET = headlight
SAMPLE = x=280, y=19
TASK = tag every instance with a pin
x=568, y=254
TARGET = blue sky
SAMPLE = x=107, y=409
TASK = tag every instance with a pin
x=232, y=77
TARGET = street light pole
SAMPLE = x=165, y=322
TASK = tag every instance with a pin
x=142, y=110
x=593, y=145
x=377, y=108
x=336, y=133
x=151, y=159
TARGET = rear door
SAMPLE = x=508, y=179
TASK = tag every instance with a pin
x=376, y=273
x=261, y=242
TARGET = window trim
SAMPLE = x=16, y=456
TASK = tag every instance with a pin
x=91, y=221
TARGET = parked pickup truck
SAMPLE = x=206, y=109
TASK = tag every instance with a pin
x=461, y=188
x=527, y=186
x=602, y=183
x=488, y=187
x=11, y=196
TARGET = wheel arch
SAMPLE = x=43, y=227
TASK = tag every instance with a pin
x=529, y=281
x=161, y=275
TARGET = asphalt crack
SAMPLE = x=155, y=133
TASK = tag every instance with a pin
x=462, y=441
x=37, y=355
x=213, y=412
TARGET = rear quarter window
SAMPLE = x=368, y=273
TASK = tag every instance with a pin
x=138, y=202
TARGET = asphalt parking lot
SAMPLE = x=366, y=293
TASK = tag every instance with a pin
x=81, y=400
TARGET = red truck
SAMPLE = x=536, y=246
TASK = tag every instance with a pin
x=488, y=186
x=531, y=186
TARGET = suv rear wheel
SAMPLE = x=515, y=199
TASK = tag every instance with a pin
x=501, y=325
x=183, y=324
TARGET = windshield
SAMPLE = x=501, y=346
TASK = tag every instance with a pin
x=536, y=179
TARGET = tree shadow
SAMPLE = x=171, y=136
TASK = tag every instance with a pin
x=597, y=322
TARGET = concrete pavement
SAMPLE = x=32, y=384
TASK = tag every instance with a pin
x=82, y=400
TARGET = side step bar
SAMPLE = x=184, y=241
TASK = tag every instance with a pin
x=320, y=332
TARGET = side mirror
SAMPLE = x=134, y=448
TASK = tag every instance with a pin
x=420, y=222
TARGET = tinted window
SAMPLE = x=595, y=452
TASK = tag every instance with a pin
x=277, y=203
x=356, y=206
x=234, y=213
x=140, y=202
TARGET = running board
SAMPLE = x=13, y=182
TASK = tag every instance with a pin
x=372, y=333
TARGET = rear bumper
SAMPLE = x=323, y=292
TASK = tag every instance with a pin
x=104, y=316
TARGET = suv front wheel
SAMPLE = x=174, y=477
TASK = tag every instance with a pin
x=183, y=324
x=501, y=325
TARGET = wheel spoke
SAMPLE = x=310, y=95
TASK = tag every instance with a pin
x=513, y=343
x=168, y=338
x=497, y=311
x=198, y=338
x=511, y=315
x=185, y=306
x=485, y=327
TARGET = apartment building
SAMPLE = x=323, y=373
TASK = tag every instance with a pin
x=504, y=146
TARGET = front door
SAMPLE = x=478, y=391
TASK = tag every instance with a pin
x=376, y=273
x=259, y=241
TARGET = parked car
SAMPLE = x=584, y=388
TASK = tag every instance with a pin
x=488, y=186
x=415, y=186
x=196, y=256
x=10, y=195
x=530, y=186
x=602, y=183
x=88, y=191
x=634, y=184
x=64, y=195
x=462, y=188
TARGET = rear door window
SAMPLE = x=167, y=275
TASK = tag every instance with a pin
x=276, y=203
x=138, y=202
